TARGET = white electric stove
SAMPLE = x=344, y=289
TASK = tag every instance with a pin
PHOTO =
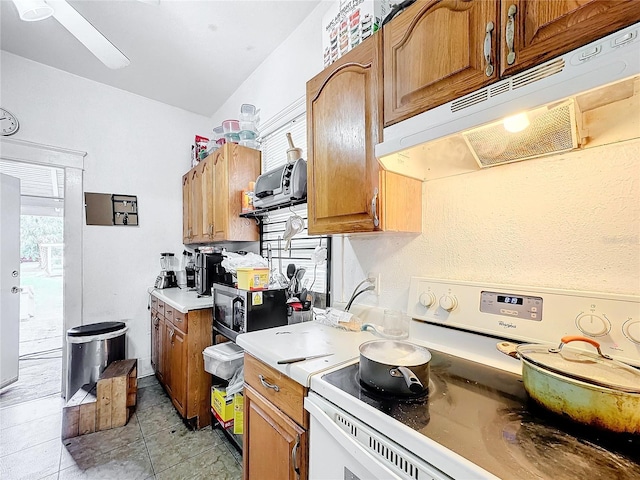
x=476, y=420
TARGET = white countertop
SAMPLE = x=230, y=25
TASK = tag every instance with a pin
x=301, y=340
x=182, y=300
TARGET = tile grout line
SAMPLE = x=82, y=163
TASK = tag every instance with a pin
x=46, y=397
x=153, y=469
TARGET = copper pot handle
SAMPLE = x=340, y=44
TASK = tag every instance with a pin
x=577, y=338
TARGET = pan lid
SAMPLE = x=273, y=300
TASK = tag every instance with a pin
x=594, y=368
x=395, y=352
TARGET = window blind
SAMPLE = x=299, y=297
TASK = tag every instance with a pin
x=305, y=251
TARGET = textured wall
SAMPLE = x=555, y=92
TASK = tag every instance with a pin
x=134, y=146
x=569, y=221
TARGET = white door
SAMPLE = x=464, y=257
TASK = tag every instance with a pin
x=9, y=278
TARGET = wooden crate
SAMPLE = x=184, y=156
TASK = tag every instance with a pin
x=79, y=413
x=116, y=393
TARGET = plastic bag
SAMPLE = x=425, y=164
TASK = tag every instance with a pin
x=236, y=384
x=232, y=261
x=339, y=319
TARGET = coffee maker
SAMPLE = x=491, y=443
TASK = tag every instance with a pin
x=167, y=277
x=209, y=270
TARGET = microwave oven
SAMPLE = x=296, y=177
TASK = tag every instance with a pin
x=239, y=311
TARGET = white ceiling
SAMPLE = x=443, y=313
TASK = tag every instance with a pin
x=189, y=54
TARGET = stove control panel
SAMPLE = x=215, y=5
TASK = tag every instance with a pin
x=531, y=314
x=511, y=305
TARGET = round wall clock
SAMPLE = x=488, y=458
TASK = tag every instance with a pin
x=8, y=122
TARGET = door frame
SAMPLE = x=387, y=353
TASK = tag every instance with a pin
x=72, y=161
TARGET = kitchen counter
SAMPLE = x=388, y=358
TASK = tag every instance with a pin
x=301, y=340
x=181, y=299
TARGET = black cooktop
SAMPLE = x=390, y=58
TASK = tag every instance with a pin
x=485, y=415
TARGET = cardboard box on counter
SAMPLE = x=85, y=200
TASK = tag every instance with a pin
x=348, y=22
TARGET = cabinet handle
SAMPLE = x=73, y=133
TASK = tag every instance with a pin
x=267, y=384
x=374, y=208
x=488, y=71
x=171, y=335
x=510, y=33
x=294, y=456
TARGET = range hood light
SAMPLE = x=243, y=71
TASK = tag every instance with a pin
x=516, y=123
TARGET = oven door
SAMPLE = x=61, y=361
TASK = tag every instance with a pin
x=342, y=447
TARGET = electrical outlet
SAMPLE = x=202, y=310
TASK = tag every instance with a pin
x=375, y=278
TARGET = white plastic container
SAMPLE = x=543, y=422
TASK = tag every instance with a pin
x=223, y=359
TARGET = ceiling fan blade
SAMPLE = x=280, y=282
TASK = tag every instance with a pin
x=88, y=35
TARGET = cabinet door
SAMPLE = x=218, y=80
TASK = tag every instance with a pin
x=157, y=326
x=434, y=52
x=177, y=365
x=344, y=122
x=207, y=193
x=186, y=208
x=221, y=198
x=196, y=203
x=287, y=442
x=543, y=30
x=166, y=328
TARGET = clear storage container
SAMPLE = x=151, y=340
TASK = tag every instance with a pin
x=223, y=359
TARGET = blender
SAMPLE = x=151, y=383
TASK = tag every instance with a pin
x=167, y=277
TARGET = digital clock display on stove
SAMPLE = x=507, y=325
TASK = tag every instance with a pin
x=521, y=307
x=510, y=300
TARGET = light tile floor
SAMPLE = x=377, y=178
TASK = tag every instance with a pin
x=155, y=444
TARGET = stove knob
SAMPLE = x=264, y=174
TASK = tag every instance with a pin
x=427, y=299
x=631, y=330
x=448, y=302
x=593, y=325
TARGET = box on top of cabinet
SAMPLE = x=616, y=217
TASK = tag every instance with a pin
x=348, y=22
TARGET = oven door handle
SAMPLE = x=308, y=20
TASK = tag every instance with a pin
x=357, y=451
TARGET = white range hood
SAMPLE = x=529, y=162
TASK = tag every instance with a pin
x=598, y=86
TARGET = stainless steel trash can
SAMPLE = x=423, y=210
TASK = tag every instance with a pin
x=91, y=348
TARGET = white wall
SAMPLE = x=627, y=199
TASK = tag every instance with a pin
x=571, y=221
x=281, y=79
x=135, y=146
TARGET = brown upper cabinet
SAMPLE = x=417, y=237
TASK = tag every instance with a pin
x=439, y=50
x=186, y=208
x=435, y=52
x=347, y=191
x=543, y=30
x=213, y=192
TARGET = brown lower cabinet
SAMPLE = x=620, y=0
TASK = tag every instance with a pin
x=275, y=443
x=177, y=342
